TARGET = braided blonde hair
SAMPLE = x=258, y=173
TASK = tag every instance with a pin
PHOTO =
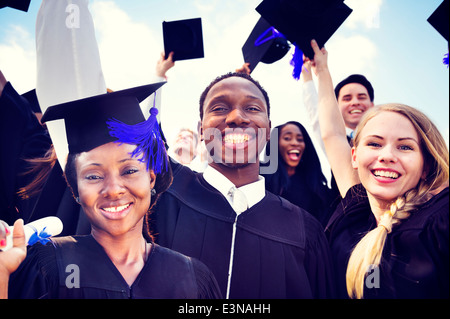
x=369, y=250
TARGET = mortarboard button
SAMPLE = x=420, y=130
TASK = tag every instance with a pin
x=86, y=119
x=22, y=5
x=302, y=21
x=264, y=44
x=184, y=38
x=439, y=19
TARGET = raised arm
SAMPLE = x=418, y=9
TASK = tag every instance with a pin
x=332, y=126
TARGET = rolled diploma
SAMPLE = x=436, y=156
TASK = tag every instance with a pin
x=53, y=226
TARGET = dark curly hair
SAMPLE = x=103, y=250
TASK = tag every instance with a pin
x=226, y=76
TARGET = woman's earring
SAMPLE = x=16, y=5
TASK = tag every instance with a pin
x=153, y=192
x=77, y=199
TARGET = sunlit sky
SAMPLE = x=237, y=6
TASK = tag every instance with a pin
x=389, y=41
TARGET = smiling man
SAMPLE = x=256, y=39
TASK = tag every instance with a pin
x=257, y=244
x=355, y=96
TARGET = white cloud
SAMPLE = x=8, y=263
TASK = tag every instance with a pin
x=365, y=13
x=353, y=54
x=128, y=50
x=18, y=58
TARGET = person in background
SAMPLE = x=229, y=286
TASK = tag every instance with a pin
x=355, y=95
x=184, y=148
x=299, y=176
x=390, y=234
x=21, y=137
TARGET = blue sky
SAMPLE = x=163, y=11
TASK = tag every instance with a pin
x=389, y=41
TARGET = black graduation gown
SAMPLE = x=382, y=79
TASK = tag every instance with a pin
x=415, y=261
x=48, y=272
x=280, y=250
x=21, y=137
x=300, y=194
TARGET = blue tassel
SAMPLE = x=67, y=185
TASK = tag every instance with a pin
x=147, y=138
x=445, y=59
x=297, y=63
x=42, y=237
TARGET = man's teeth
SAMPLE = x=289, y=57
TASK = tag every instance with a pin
x=389, y=174
x=236, y=138
x=355, y=111
x=116, y=209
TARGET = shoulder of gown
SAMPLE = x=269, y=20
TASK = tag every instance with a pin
x=37, y=276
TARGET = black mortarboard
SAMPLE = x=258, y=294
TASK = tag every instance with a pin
x=184, y=38
x=86, y=120
x=264, y=44
x=303, y=20
x=439, y=19
x=16, y=4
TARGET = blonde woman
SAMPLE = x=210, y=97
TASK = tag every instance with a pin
x=390, y=235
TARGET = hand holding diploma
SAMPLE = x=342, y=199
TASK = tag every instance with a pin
x=13, y=242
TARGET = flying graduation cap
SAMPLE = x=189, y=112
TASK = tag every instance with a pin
x=264, y=44
x=184, y=38
x=439, y=19
x=21, y=5
x=112, y=117
x=300, y=21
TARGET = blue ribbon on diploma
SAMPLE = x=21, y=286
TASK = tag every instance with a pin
x=42, y=237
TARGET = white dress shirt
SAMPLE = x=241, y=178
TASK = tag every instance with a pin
x=254, y=192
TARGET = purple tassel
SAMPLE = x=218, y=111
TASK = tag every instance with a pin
x=297, y=63
x=42, y=237
x=146, y=136
x=445, y=59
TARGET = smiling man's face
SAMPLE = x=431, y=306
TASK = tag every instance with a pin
x=235, y=123
x=353, y=102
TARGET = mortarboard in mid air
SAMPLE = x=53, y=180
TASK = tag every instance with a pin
x=264, y=44
x=300, y=21
x=21, y=5
x=184, y=38
x=439, y=19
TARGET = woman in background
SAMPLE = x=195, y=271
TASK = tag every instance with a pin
x=299, y=176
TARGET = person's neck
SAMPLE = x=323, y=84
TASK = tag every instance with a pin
x=239, y=174
x=378, y=207
x=128, y=252
x=290, y=170
x=185, y=157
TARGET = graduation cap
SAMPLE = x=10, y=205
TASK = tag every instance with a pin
x=439, y=19
x=264, y=44
x=22, y=5
x=303, y=20
x=184, y=38
x=112, y=117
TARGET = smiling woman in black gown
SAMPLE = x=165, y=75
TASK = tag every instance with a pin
x=117, y=168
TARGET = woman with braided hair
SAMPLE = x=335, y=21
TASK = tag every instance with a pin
x=390, y=234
